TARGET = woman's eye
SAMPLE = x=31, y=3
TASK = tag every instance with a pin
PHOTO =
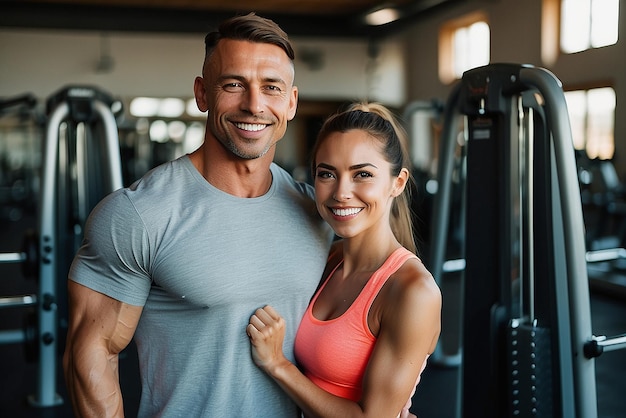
x=363, y=174
x=324, y=174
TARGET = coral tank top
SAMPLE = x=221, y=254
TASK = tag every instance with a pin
x=334, y=353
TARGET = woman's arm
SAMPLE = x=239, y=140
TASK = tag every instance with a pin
x=267, y=331
x=409, y=329
x=410, y=323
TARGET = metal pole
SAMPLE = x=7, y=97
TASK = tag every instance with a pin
x=12, y=258
x=574, y=238
x=46, y=394
x=441, y=209
x=112, y=143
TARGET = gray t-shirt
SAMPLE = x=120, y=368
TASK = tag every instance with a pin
x=201, y=262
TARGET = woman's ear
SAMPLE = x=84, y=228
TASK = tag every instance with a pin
x=400, y=182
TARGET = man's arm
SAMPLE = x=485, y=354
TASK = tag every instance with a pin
x=99, y=328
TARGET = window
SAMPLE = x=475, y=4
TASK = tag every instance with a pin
x=588, y=24
x=463, y=45
x=592, y=118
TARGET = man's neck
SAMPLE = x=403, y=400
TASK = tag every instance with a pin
x=233, y=175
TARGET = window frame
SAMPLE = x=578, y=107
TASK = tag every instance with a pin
x=447, y=74
x=587, y=145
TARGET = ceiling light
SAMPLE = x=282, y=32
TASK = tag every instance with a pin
x=176, y=130
x=194, y=136
x=150, y=106
x=382, y=16
x=192, y=109
x=171, y=107
x=144, y=106
x=158, y=131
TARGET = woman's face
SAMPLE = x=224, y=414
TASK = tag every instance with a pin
x=354, y=188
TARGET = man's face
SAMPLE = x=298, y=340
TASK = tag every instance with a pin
x=248, y=90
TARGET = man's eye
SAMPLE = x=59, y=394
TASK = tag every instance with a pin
x=273, y=90
x=232, y=87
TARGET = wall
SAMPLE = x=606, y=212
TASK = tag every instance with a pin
x=405, y=69
x=165, y=65
x=158, y=65
x=516, y=37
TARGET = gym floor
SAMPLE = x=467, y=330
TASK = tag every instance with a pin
x=436, y=396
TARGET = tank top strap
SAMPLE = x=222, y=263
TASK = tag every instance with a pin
x=380, y=277
x=321, y=287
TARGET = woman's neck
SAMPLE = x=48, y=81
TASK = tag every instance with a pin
x=367, y=253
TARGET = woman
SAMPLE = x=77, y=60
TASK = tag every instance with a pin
x=365, y=338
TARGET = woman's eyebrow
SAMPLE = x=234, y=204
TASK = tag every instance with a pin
x=353, y=167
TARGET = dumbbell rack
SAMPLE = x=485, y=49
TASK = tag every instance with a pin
x=81, y=163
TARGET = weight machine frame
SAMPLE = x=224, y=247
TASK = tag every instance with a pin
x=520, y=225
x=76, y=115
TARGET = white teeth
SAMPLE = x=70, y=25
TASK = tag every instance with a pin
x=250, y=126
x=346, y=212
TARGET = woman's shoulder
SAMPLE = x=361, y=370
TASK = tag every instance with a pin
x=411, y=300
x=413, y=282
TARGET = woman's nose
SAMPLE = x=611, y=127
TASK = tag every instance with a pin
x=343, y=191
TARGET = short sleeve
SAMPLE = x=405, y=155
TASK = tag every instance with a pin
x=115, y=253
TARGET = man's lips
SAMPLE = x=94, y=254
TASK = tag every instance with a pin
x=252, y=127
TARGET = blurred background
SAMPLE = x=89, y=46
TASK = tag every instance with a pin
x=140, y=58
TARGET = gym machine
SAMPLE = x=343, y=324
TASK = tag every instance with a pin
x=527, y=345
x=81, y=164
x=424, y=122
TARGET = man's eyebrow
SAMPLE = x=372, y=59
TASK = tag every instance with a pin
x=275, y=80
x=225, y=77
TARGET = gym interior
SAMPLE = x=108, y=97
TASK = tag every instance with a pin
x=517, y=124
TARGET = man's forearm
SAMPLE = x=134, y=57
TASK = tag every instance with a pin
x=93, y=387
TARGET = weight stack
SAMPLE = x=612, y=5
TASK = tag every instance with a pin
x=530, y=365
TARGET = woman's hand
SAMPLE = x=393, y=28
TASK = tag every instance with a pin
x=266, y=330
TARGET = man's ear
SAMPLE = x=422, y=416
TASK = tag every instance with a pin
x=200, y=93
x=293, y=103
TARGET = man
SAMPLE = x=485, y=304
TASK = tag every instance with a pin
x=183, y=257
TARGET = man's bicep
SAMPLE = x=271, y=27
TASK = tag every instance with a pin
x=97, y=319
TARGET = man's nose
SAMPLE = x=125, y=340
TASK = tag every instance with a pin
x=254, y=101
